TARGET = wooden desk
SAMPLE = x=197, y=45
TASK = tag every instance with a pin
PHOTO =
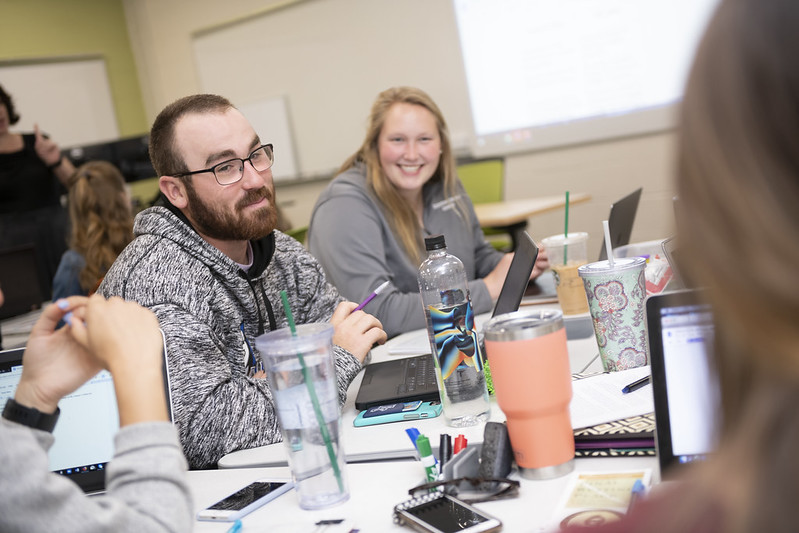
x=512, y=215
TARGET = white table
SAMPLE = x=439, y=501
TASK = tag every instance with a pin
x=375, y=488
x=389, y=441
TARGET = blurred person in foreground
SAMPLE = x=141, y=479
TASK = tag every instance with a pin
x=146, y=486
x=738, y=183
x=101, y=226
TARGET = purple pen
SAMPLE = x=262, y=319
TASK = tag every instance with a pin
x=371, y=296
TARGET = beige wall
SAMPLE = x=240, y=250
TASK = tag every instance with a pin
x=38, y=30
x=331, y=57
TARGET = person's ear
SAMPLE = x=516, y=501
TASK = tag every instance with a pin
x=175, y=191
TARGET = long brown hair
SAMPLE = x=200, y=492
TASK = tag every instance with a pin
x=738, y=183
x=399, y=213
x=101, y=218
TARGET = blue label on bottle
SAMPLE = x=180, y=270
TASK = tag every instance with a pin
x=455, y=338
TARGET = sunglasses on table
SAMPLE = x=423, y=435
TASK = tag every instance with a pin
x=471, y=489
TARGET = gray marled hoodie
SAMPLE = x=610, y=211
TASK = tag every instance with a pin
x=210, y=311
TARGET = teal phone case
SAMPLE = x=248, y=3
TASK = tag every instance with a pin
x=426, y=410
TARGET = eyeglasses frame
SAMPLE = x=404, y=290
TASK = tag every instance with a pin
x=453, y=485
x=243, y=161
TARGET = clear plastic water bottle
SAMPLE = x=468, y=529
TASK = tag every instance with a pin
x=453, y=336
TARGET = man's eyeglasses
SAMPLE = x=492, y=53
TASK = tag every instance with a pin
x=230, y=171
x=471, y=490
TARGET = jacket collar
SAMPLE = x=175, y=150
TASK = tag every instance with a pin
x=262, y=249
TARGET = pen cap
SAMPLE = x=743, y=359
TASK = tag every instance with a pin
x=423, y=445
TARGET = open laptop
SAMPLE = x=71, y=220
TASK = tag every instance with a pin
x=84, y=433
x=684, y=382
x=414, y=378
x=620, y=221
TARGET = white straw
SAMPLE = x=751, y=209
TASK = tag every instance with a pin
x=608, y=246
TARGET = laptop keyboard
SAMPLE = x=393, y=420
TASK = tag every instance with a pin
x=418, y=374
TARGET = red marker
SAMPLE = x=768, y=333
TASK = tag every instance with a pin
x=460, y=444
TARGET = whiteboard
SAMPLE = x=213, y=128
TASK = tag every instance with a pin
x=70, y=100
x=328, y=60
x=270, y=119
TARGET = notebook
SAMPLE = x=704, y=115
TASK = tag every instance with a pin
x=620, y=221
x=684, y=384
x=414, y=378
x=84, y=434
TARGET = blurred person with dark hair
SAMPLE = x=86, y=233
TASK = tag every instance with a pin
x=738, y=183
x=101, y=226
x=33, y=177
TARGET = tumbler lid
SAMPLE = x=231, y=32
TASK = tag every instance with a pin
x=619, y=263
x=522, y=325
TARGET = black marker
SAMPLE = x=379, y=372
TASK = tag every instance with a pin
x=635, y=385
x=445, y=449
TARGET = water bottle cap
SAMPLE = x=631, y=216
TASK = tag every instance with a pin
x=434, y=242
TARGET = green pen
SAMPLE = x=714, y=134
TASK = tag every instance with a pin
x=426, y=455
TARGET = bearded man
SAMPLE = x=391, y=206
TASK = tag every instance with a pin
x=210, y=263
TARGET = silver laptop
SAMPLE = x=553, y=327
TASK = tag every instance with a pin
x=684, y=382
x=84, y=434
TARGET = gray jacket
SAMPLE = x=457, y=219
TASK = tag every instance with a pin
x=211, y=311
x=351, y=237
x=145, y=481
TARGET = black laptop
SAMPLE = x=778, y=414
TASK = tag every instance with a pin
x=414, y=378
x=684, y=383
x=84, y=434
x=620, y=221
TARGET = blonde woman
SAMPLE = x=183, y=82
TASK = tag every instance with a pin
x=369, y=225
x=102, y=225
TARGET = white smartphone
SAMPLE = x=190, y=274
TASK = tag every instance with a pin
x=246, y=500
x=441, y=513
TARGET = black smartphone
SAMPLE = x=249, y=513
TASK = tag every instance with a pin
x=441, y=513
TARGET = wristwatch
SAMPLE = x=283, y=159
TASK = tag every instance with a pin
x=28, y=416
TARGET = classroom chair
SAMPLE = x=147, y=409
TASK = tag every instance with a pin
x=483, y=181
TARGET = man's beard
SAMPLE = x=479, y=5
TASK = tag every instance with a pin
x=226, y=226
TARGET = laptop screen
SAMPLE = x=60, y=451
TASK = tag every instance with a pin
x=84, y=434
x=684, y=382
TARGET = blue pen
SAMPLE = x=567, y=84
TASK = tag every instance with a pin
x=636, y=494
x=635, y=385
x=235, y=528
x=413, y=434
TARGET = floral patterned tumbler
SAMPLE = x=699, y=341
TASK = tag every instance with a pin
x=616, y=294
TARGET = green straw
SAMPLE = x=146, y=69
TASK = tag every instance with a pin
x=566, y=230
x=314, y=399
